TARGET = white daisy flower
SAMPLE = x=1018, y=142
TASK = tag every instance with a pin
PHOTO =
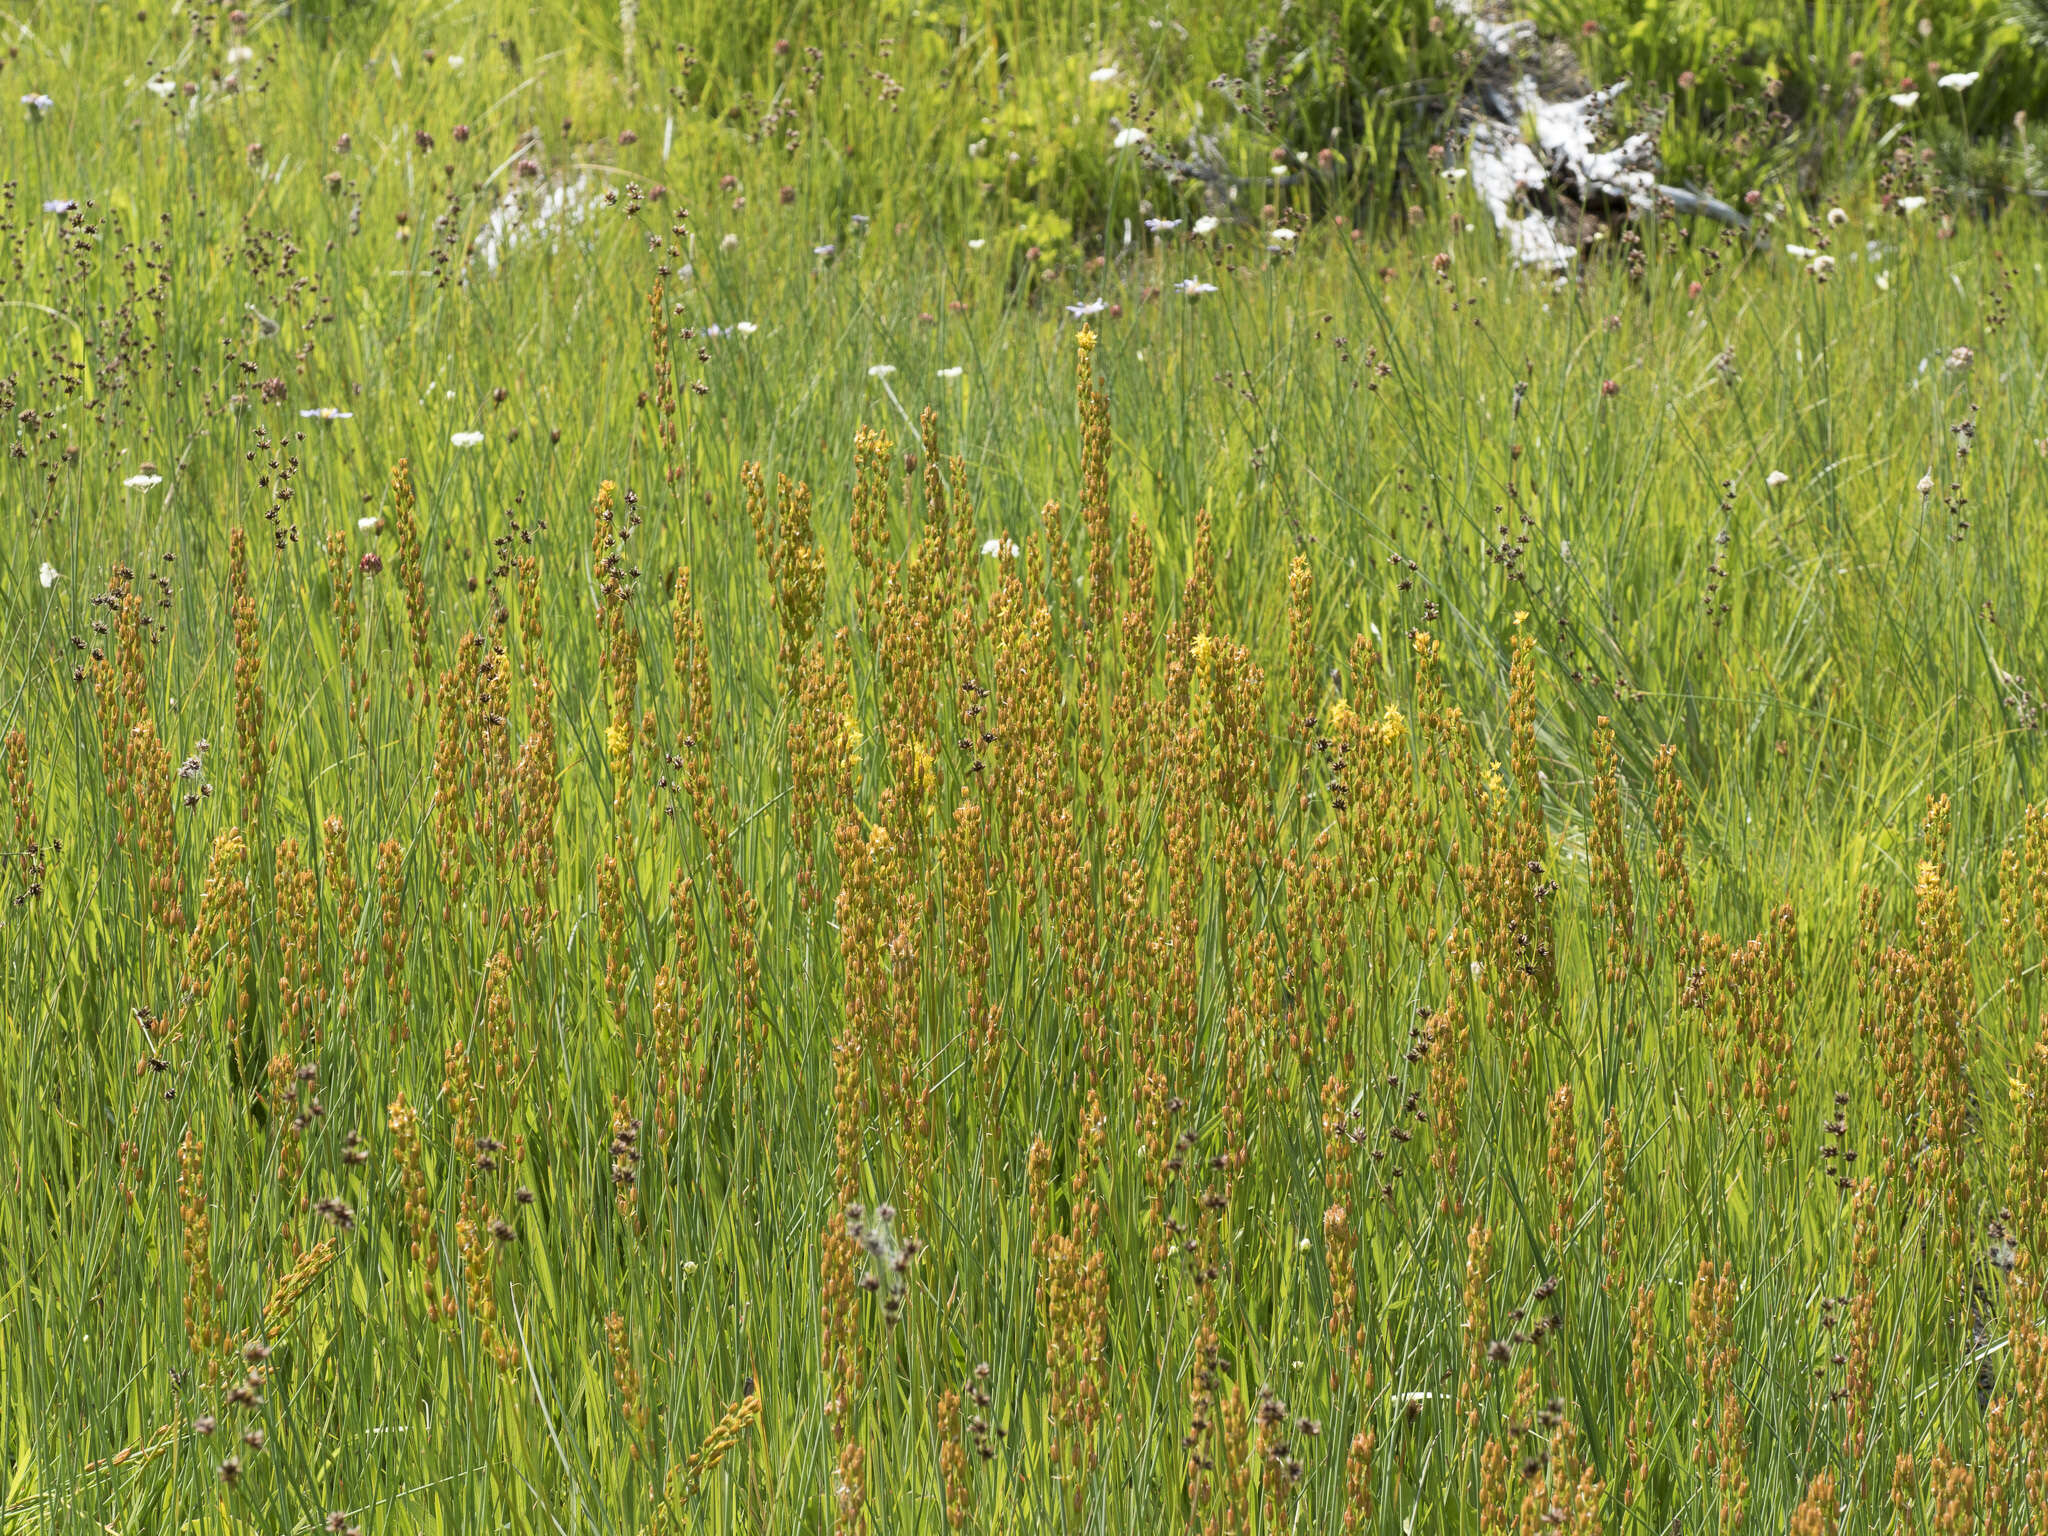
x=466, y=439
x=1161, y=226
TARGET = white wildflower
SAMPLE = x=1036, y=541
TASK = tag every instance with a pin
x=37, y=102
x=975, y=245
x=1161, y=226
x=1799, y=252
x=369, y=524
x=143, y=482
x=1926, y=486
x=1959, y=359
x=1284, y=234
x=1958, y=82
x=49, y=575
x=1776, y=478
x=1194, y=287
x=1838, y=217
x=999, y=548
x=466, y=439
x=1126, y=137
x=953, y=372
x=824, y=252
x=1822, y=267
x=1455, y=173
x=157, y=85
x=241, y=53
x=1905, y=101
x=1090, y=307
x=881, y=370
x=1103, y=75
x=1884, y=282
x=326, y=413
x=1912, y=204
x=730, y=243
x=1207, y=224
x=58, y=205
x=746, y=327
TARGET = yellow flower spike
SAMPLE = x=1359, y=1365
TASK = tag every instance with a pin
x=926, y=780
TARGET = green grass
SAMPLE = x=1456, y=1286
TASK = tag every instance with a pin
x=1431, y=431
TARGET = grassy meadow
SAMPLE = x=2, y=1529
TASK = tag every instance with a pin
x=722, y=815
